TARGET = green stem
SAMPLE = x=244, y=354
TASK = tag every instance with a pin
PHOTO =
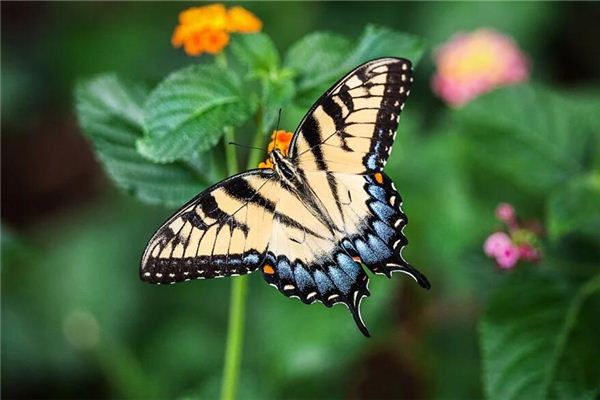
x=257, y=143
x=239, y=285
x=221, y=60
x=237, y=304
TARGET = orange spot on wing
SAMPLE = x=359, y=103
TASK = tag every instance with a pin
x=379, y=178
x=267, y=269
x=357, y=259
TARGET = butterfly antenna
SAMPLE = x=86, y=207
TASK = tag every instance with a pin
x=247, y=147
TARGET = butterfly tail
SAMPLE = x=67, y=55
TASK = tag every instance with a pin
x=411, y=271
x=355, y=311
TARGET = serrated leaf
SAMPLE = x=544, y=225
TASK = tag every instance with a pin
x=187, y=112
x=256, y=51
x=110, y=113
x=316, y=54
x=339, y=56
x=539, y=339
x=530, y=135
x=575, y=208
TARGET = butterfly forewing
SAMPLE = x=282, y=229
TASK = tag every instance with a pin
x=352, y=127
x=224, y=231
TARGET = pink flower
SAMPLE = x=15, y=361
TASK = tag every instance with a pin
x=505, y=213
x=474, y=63
x=496, y=243
x=508, y=256
x=529, y=253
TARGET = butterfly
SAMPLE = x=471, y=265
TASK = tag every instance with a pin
x=311, y=222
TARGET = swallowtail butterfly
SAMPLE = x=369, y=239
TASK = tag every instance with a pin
x=310, y=223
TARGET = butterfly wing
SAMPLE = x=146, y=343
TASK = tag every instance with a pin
x=224, y=231
x=304, y=259
x=339, y=150
x=352, y=127
x=313, y=263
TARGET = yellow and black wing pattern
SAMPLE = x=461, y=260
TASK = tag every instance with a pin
x=224, y=231
x=339, y=150
x=352, y=127
x=319, y=261
x=310, y=230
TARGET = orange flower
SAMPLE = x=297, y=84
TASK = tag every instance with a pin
x=241, y=20
x=280, y=140
x=206, y=29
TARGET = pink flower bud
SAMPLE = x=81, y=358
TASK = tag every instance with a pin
x=529, y=253
x=507, y=257
x=506, y=213
x=496, y=243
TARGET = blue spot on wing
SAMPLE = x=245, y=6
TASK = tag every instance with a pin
x=341, y=280
x=348, y=265
x=378, y=192
x=385, y=232
x=323, y=283
x=251, y=259
x=303, y=278
x=284, y=270
x=365, y=252
x=383, y=211
x=379, y=247
x=372, y=162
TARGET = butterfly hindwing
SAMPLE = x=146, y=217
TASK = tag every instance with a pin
x=325, y=266
x=352, y=127
x=224, y=231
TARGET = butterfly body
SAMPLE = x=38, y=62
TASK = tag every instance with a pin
x=311, y=222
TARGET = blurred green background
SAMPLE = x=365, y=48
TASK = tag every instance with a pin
x=78, y=323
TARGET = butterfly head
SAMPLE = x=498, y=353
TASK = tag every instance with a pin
x=283, y=165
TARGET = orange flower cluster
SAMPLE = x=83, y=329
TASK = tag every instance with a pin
x=280, y=140
x=207, y=28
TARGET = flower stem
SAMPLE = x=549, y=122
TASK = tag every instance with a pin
x=235, y=336
x=239, y=285
x=237, y=303
x=221, y=60
x=257, y=143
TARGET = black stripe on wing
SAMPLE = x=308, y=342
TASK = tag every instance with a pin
x=365, y=104
x=202, y=241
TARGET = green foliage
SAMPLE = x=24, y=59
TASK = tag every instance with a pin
x=321, y=58
x=257, y=52
x=186, y=113
x=575, y=208
x=110, y=113
x=527, y=144
x=159, y=145
x=537, y=339
x=538, y=325
x=539, y=135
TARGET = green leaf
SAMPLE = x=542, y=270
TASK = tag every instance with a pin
x=539, y=339
x=110, y=114
x=256, y=51
x=575, y=208
x=316, y=54
x=529, y=135
x=322, y=58
x=278, y=91
x=187, y=112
